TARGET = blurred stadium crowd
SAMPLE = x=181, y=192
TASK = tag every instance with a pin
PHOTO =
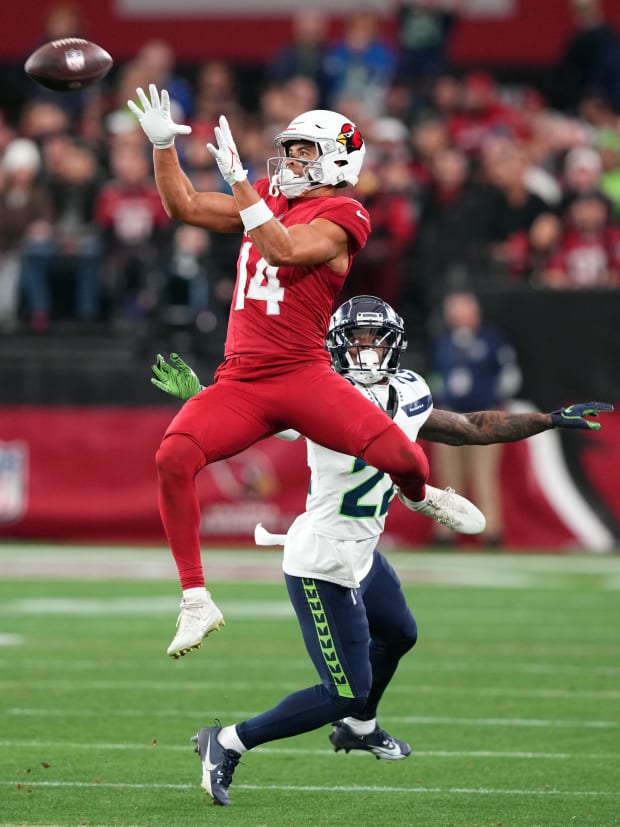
x=468, y=182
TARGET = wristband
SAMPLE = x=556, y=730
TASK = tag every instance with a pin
x=255, y=216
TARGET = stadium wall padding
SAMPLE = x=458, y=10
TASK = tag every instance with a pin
x=88, y=474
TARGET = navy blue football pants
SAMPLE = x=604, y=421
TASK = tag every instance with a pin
x=355, y=638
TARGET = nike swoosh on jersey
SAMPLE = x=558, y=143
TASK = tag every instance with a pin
x=207, y=765
x=361, y=215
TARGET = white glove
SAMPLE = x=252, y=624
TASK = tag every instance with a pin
x=155, y=119
x=226, y=155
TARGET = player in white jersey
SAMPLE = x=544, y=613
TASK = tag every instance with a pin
x=353, y=614
x=348, y=500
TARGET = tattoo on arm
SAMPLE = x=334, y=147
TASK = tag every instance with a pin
x=482, y=427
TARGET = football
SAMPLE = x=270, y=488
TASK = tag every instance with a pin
x=68, y=64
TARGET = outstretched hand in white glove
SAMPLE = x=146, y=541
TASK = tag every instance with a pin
x=226, y=155
x=155, y=118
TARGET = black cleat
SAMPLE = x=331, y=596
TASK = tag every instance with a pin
x=218, y=764
x=378, y=742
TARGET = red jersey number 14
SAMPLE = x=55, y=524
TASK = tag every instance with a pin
x=263, y=286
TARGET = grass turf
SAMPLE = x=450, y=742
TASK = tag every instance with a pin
x=510, y=700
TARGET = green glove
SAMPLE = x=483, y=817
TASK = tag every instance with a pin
x=574, y=415
x=177, y=379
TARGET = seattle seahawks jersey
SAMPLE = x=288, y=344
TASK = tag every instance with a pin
x=348, y=500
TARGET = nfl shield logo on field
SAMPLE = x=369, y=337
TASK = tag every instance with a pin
x=13, y=480
x=74, y=58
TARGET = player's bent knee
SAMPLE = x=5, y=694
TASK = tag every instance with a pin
x=394, y=453
x=401, y=645
x=396, y=647
x=409, y=635
x=178, y=457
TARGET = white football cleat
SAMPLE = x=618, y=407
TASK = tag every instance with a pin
x=448, y=508
x=196, y=619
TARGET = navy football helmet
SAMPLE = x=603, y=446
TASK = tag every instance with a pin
x=365, y=340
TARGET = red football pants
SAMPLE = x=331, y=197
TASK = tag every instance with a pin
x=229, y=416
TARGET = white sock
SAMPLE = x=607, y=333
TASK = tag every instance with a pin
x=360, y=727
x=412, y=504
x=229, y=739
x=197, y=593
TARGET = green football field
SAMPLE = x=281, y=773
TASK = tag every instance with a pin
x=511, y=699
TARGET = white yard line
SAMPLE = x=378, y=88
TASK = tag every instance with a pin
x=140, y=606
x=507, y=570
x=355, y=789
x=245, y=686
x=160, y=606
x=422, y=720
x=11, y=640
x=65, y=553
x=217, y=664
x=418, y=753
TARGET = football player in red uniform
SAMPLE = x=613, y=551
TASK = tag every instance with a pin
x=299, y=236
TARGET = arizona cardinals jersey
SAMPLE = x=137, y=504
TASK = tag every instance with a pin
x=280, y=315
x=588, y=262
x=350, y=499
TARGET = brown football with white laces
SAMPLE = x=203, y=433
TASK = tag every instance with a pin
x=68, y=64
